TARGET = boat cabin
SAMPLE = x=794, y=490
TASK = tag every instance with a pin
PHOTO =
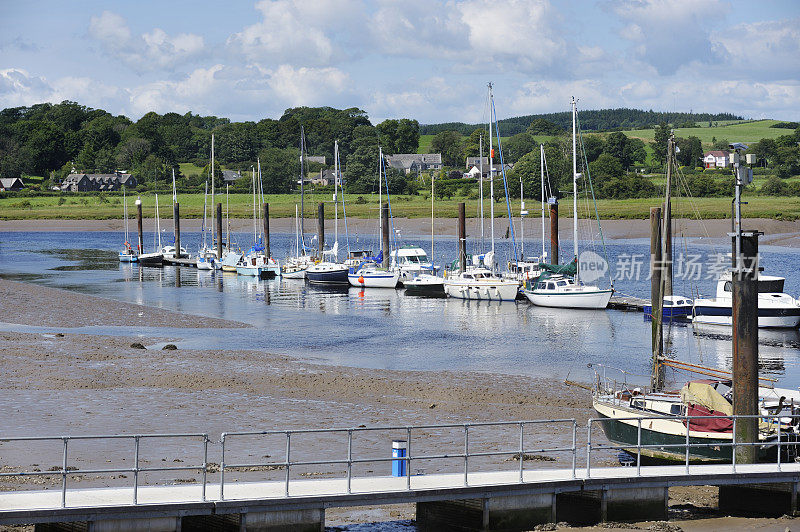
x=409, y=256
x=767, y=284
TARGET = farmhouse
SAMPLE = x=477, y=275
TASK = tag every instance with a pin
x=102, y=182
x=415, y=162
x=230, y=176
x=717, y=159
x=10, y=183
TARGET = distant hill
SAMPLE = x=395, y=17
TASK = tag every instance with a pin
x=591, y=120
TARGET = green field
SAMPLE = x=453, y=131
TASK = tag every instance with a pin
x=283, y=206
x=749, y=132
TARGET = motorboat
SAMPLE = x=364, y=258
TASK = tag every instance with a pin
x=480, y=284
x=295, y=267
x=229, y=261
x=425, y=284
x=151, y=259
x=775, y=308
x=128, y=254
x=563, y=292
x=370, y=275
x=673, y=307
x=169, y=251
x=256, y=264
x=206, y=259
x=410, y=261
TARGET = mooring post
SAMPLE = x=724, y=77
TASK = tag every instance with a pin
x=385, y=235
x=553, y=201
x=266, y=230
x=176, y=218
x=139, y=225
x=219, y=231
x=321, y=228
x=745, y=346
x=656, y=298
x=462, y=237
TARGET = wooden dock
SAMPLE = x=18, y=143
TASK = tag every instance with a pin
x=628, y=303
x=172, y=261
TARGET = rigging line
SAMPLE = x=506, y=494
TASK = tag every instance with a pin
x=597, y=214
x=505, y=181
x=690, y=198
x=393, y=236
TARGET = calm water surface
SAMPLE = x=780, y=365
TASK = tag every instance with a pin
x=387, y=329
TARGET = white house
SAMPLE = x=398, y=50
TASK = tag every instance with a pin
x=717, y=159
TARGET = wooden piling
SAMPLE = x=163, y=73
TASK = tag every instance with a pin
x=745, y=346
x=385, y=234
x=321, y=228
x=462, y=237
x=553, y=231
x=656, y=298
x=176, y=218
x=139, y=225
x=267, y=249
x=219, y=231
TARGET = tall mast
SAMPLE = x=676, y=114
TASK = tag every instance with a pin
x=541, y=160
x=335, y=191
x=255, y=224
x=666, y=254
x=380, y=197
x=480, y=155
x=227, y=219
x=158, y=225
x=174, y=190
x=212, y=190
x=432, y=178
x=521, y=221
x=125, y=212
x=258, y=202
x=205, y=209
x=302, y=189
x=491, y=171
x=575, y=187
x=296, y=231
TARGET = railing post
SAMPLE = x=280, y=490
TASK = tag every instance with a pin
x=466, y=455
x=688, y=422
x=349, y=458
x=222, y=469
x=288, y=456
x=733, y=447
x=136, y=470
x=778, y=419
x=574, y=446
x=205, y=458
x=408, y=458
x=589, y=449
x=521, y=448
x=64, y=474
x=639, y=447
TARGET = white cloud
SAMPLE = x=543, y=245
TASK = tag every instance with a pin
x=428, y=100
x=18, y=87
x=150, y=51
x=767, y=49
x=302, y=32
x=669, y=34
x=308, y=86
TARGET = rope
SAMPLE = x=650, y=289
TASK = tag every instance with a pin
x=505, y=181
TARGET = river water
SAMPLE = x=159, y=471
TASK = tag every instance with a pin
x=381, y=328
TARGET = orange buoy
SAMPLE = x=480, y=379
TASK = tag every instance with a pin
x=361, y=279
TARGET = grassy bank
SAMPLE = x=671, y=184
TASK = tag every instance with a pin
x=365, y=206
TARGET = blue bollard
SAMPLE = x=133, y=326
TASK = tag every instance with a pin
x=399, y=448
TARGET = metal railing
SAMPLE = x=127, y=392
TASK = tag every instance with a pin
x=67, y=471
x=774, y=437
x=408, y=431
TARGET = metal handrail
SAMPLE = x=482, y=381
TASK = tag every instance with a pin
x=349, y=460
x=776, y=432
x=65, y=472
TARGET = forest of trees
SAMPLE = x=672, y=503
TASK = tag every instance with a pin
x=591, y=120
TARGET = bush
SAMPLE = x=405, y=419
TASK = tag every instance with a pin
x=630, y=185
x=774, y=186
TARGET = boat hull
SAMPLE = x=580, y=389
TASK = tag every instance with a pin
x=294, y=274
x=127, y=257
x=374, y=280
x=495, y=291
x=783, y=318
x=597, y=299
x=328, y=276
x=151, y=259
x=669, y=312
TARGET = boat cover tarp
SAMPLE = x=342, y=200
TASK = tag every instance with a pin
x=571, y=268
x=702, y=399
x=231, y=259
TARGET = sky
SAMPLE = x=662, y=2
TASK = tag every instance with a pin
x=429, y=60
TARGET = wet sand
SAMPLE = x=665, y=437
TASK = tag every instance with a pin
x=76, y=383
x=776, y=232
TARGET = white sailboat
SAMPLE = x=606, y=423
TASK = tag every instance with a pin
x=128, y=253
x=370, y=274
x=255, y=262
x=481, y=282
x=156, y=258
x=207, y=256
x=169, y=250
x=565, y=291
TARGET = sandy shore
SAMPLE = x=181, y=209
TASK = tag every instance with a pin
x=776, y=232
x=76, y=383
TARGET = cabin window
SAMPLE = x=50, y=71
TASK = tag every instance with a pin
x=728, y=286
x=551, y=286
x=766, y=287
x=638, y=403
x=467, y=276
x=667, y=303
x=675, y=410
x=562, y=283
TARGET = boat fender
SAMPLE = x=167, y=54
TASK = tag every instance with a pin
x=361, y=279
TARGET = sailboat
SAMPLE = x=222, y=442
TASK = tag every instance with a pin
x=370, y=274
x=230, y=257
x=561, y=287
x=426, y=282
x=207, y=256
x=155, y=258
x=128, y=253
x=169, y=250
x=481, y=282
x=255, y=262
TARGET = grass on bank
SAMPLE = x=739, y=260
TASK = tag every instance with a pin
x=365, y=206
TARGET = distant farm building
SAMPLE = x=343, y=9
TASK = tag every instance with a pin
x=717, y=159
x=10, y=183
x=230, y=176
x=97, y=182
x=415, y=162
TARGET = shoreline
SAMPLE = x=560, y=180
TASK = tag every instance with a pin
x=776, y=232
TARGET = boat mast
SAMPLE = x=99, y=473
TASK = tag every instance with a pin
x=575, y=188
x=255, y=225
x=335, y=191
x=491, y=173
x=521, y=221
x=666, y=253
x=260, y=200
x=302, y=189
x=380, y=198
x=125, y=212
x=541, y=160
x=480, y=155
x=205, y=209
x=296, y=231
x=174, y=191
x=212, y=191
x=227, y=218
x=432, y=178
